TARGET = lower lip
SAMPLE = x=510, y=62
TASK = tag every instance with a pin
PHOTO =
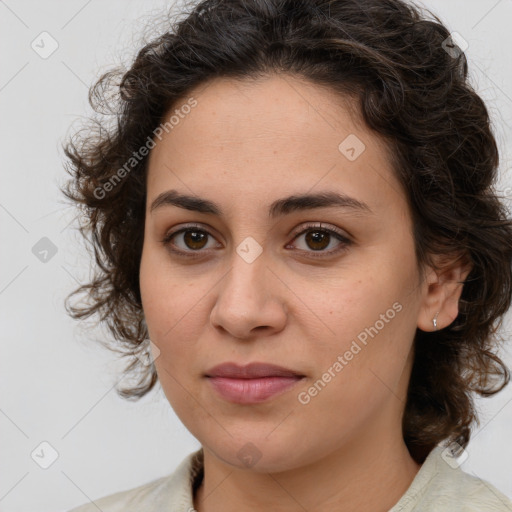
x=252, y=391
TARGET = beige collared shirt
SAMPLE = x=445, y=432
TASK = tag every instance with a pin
x=437, y=487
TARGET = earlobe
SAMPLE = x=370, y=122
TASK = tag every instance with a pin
x=441, y=297
x=431, y=302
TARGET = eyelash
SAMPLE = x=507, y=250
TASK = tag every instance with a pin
x=345, y=242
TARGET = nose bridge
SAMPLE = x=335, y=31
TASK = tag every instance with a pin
x=246, y=297
x=246, y=282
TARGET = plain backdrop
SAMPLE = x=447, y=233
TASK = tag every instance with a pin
x=57, y=385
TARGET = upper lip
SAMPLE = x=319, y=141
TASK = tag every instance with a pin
x=251, y=371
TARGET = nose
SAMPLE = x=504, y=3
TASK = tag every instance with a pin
x=249, y=300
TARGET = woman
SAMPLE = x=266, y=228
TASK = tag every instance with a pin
x=294, y=214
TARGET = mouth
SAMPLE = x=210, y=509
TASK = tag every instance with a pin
x=253, y=383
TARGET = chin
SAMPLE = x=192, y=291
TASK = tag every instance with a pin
x=256, y=453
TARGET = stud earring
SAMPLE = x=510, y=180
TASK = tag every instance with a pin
x=434, y=321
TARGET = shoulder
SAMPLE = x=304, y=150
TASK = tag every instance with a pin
x=123, y=500
x=442, y=486
x=173, y=490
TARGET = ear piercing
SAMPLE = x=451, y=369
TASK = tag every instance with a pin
x=434, y=321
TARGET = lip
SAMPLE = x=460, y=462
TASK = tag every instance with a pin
x=251, y=371
x=253, y=383
x=252, y=391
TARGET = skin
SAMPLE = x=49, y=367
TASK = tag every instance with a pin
x=243, y=146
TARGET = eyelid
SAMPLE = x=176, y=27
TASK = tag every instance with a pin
x=320, y=226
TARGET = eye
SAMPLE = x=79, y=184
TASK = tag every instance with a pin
x=318, y=238
x=195, y=239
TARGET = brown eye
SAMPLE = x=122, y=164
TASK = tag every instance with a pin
x=195, y=239
x=190, y=239
x=318, y=240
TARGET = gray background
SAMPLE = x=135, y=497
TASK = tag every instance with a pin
x=58, y=386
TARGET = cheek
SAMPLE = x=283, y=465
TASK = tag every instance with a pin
x=162, y=313
x=358, y=377
x=371, y=324
x=169, y=297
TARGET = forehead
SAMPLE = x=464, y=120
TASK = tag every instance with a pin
x=233, y=110
x=274, y=134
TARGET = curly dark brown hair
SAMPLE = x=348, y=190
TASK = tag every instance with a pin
x=411, y=85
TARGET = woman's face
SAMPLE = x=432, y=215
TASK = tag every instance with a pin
x=252, y=283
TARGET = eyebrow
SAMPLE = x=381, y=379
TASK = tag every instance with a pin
x=278, y=208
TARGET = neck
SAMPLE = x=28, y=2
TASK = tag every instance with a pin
x=360, y=477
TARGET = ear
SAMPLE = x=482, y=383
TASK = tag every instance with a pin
x=442, y=288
